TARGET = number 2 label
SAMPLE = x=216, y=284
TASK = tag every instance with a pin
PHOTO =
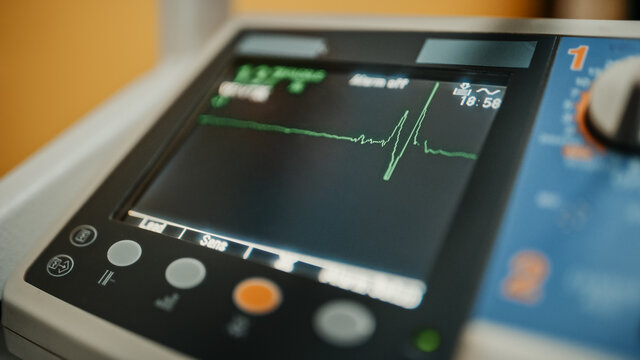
x=579, y=56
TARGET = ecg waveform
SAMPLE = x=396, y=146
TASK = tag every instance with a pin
x=399, y=146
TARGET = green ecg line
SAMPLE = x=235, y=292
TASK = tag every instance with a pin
x=396, y=153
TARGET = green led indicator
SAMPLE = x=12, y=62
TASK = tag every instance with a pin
x=427, y=340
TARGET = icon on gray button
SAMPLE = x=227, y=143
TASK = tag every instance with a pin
x=83, y=235
x=60, y=265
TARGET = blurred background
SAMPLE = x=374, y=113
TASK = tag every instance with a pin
x=60, y=59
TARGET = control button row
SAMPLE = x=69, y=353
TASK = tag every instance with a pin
x=341, y=323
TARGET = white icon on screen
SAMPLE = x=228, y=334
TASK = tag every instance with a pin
x=487, y=91
x=285, y=262
x=463, y=90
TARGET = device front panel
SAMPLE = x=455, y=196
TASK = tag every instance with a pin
x=323, y=193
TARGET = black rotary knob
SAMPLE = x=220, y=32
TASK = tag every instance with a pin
x=613, y=115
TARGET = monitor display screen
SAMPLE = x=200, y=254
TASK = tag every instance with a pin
x=348, y=175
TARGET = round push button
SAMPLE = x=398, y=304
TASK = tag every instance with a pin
x=60, y=265
x=124, y=253
x=83, y=235
x=257, y=296
x=344, y=323
x=185, y=273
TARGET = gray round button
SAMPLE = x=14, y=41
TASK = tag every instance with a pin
x=185, y=273
x=124, y=253
x=344, y=323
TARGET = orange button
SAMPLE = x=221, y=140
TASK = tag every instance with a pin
x=257, y=296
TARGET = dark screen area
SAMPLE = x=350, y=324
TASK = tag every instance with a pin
x=355, y=167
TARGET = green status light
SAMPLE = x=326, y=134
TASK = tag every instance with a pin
x=427, y=340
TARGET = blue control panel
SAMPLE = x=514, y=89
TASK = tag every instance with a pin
x=567, y=259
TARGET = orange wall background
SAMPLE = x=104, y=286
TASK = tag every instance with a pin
x=510, y=8
x=59, y=59
x=62, y=58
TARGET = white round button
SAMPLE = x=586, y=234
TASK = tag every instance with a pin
x=185, y=273
x=344, y=323
x=124, y=253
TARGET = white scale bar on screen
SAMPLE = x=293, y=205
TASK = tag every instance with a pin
x=395, y=289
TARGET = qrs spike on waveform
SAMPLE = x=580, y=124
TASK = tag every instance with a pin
x=399, y=147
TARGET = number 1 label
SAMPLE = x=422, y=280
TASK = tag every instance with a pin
x=579, y=56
